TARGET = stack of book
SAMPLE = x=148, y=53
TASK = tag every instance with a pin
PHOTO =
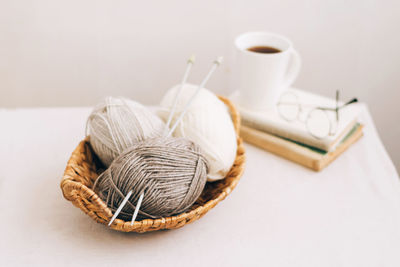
x=292, y=140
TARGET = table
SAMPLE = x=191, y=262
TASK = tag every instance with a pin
x=280, y=214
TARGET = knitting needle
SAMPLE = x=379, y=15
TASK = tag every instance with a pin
x=216, y=63
x=120, y=207
x=138, y=204
x=190, y=63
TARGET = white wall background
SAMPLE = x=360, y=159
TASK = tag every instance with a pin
x=55, y=53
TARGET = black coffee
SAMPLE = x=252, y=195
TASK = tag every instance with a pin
x=264, y=49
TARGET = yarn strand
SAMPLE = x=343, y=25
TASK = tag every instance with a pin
x=215, y=65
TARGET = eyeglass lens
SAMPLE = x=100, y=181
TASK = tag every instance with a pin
x=318, y=123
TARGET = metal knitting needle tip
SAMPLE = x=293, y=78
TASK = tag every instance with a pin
x=117, y=212
x=219, y=60
x=192, y=59
x=138, y=204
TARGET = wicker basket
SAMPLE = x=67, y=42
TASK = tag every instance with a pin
x=84, y=167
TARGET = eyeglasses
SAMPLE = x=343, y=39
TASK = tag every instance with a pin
x=317, y=120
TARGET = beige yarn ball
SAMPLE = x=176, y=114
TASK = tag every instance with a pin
x=170, y=172
x=207, y=123
x=117, y=123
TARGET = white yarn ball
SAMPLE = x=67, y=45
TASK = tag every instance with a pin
x=207, y=123
x=117, y=123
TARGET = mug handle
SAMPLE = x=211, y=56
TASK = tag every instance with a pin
x=293, y=69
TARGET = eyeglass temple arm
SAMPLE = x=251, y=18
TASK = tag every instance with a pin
x=354, y=100
x=337, y=105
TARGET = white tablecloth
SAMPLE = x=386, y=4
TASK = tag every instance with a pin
x=280, y=214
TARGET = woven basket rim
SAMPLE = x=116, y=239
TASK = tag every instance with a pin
x=80, y=173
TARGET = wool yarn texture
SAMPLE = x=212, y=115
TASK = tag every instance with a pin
x=207, y=123
x=117, y=123
x=171, y=172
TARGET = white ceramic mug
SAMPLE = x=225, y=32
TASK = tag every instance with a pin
x=262, y=77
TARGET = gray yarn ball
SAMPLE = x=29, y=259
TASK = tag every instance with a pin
x=171, y=172
x=117, y=123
